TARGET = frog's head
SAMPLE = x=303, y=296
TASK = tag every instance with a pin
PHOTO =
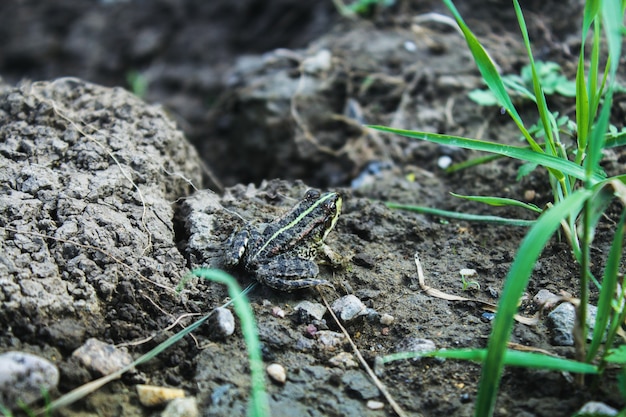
x=321, y=211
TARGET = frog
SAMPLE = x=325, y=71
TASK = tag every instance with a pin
x=282, y=255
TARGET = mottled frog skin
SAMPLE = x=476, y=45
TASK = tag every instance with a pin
x=282, y=256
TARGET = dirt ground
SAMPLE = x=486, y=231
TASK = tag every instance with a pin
x=273, y=97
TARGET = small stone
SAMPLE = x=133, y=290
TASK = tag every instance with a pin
x=468, y=272
x=309, y=310
x=360, y=385
x=102, y=357
x=444, y=161
x=545, y=299
x=221, y=323
x=386, y=319
x=375, y=405
x=343, y=360
x=529, y=195
x=329, y=338
x=349, y=307
x=596, y=408
x=277, y=372
x=278, y=312
x=151, y=395
x=561, y=321
x=320, y=62
x=24, y=376
x=181, y=407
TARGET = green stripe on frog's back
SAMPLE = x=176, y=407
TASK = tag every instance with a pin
x=297, y=220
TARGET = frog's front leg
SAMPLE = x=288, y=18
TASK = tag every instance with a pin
x=236, y=248
x=285, y=274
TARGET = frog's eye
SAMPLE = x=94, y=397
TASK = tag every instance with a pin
x=312, y=194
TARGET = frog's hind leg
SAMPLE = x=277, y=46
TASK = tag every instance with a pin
x=290, y=275
x=282, y=284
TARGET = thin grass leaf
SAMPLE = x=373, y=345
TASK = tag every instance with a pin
x=511, y=358
x=524, y=154
x=478, y=161
x=515, y=284
x=259, y=402
x=462, y=216
x=490, y=74
x=608, y=291
x=499, y=202
x=615, y=140
x=612, y=17
x=540, y=98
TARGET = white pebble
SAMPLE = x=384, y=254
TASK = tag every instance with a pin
x=444, y=162
x=375, y=405
x=277, y=372
x=386, y=319
x=349, y=307
x=181, y=407
x=221, y=323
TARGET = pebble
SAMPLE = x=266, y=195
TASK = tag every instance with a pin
x=561, y=321
x=545, y=299
x=597, y=409
x=181, y=407
x=375, y=405
x=444, y=162
x=320, y=62
x=386, y=319
x=102, y=357
x=277, y=372
x=329, y=338
x=152, y=395
x=221, y=323
x=278, y=312
x=343, y=360
x=23, y=377
x=309, y=310
x=349, y=307
x=359, y=384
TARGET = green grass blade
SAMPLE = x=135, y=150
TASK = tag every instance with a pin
x=615, y=140
x=524, y=154
x=490, y=74
x=461, y=216
x=608, y=291
x=542, y=106
x=499, y=201
x=259, y=402
x=478, y=161
x=612, y=17
x=511, y=358
x=582, y=109
x=515, y=284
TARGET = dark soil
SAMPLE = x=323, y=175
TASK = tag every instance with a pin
x=273, y=95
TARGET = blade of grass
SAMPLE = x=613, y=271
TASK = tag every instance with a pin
x=499, y=202
x=259, y=402
x=461, y=216
x=511, y=358
x=608, y=291
x=515, y=284
x=490, y=74
x=542, y=107
x=524, y=154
